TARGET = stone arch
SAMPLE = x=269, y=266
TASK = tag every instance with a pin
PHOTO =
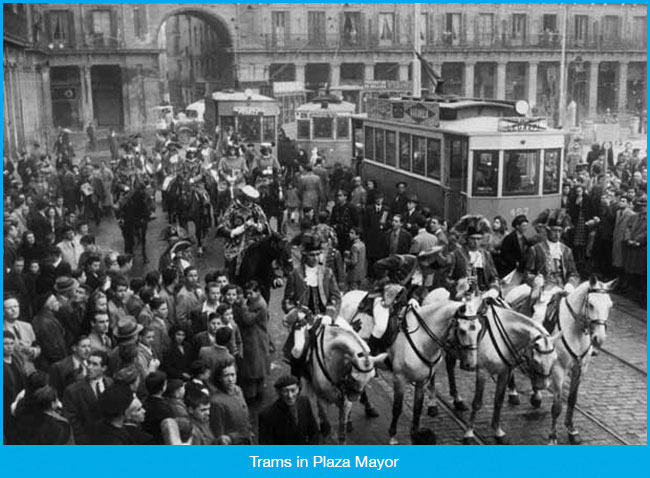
x=208, y=16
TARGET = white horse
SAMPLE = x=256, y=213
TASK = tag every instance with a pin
x=419, y=347
x=339, y=367
x=581, y=321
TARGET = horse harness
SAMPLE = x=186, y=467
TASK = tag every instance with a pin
x=583, y=318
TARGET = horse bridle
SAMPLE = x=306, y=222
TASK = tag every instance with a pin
x=583, y=318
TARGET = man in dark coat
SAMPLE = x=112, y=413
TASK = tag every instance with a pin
x=72, y=368
x=81, y=399
x=375, y=221
x=399, y=203
x=290, y=419
x=53, y=268
x=412, y=216
x=514, y=247
x=343, y=218
x=397, y=239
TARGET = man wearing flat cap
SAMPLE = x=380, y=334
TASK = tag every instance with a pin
x=243, y=224
x=290, y=419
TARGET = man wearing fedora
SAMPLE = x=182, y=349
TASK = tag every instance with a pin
x=311, y=284
x=412, y=216
x=244, y=223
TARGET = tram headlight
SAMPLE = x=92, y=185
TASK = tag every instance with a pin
x=522, y=107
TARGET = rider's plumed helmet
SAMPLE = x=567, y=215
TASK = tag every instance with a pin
x=554, y=218
x=473, y=225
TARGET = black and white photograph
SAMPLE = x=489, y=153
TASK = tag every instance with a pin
x=324, y=223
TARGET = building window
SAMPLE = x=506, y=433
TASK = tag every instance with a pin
x=352, y=72
x=386, y=29
x=140, y=21
x=343, y=128
x=390, y=148
x=279, y=22
x=424, y=28
x=433, y=158
x=611, y=28
x=486, y=173
x=102, y=27
x=580, y=29
x=551, y=171
x=351, y=28
x=452, y=33
x=520, y=174
x=369, y=143
x=549, y=23
x=316, y=28
x=519, y=26
x=60, y=26
x=485, y=28
x=639, y=30
x=405, y=151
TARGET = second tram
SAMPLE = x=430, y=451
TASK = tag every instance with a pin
x=464, y=155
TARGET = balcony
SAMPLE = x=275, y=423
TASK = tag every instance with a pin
x=313, y=42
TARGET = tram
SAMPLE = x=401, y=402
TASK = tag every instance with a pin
x=359, y=95
x=464, y=155
x=253, y=117
x=326, y=123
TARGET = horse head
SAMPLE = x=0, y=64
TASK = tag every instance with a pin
x=466, y=327
x=590, y=304
x=538, y=357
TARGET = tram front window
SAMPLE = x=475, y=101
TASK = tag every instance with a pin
x=323, y=128
x=521, y=173
x=486, y=173
x=249, y=128
x=268, y=128
x=303, y=129
x=551, y=171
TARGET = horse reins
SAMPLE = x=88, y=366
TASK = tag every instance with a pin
x=584, y=318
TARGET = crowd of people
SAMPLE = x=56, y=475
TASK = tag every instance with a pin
x=95, y=355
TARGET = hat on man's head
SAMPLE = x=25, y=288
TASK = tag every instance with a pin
x=473, y=225
x=127, y=375
x=641, y=200
x=173, y=385
x=127, y=327
x=250, y=192
x=310, y=243
x=520, y=219
x=286, y=381
x=65, y=285
x=180, y=246
x=413, y=198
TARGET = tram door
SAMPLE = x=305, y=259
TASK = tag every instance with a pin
x=456, y=164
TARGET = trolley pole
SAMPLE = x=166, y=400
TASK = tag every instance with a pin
x=417, y=45
x=563, y=72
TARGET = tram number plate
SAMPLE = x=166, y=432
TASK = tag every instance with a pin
x=517, y=211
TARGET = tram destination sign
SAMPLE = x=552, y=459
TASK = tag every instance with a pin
x=518, y=124
x=404, y=111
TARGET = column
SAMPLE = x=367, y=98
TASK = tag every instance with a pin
x=300, y=72
x=87, y=113
x=404, y=71
x=469, y=79
x=593, y=89
x=532, y=84
x=369, y=72
x=501, y=80
x=622, y=87
x=335, y=74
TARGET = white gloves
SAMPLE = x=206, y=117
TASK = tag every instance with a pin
x=568, y=288
x=491, y=293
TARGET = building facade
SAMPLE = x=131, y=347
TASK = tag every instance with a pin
x=112, y=63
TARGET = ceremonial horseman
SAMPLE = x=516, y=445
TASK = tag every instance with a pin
x=265, y=176
x=243, y=224
x=232, y=171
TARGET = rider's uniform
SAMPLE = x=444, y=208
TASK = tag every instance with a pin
x=232, y=172
x=237, y=215
x=475, y=266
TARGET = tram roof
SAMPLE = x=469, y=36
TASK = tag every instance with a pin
x=340, y=107
x=240, y=96
x=488, y=124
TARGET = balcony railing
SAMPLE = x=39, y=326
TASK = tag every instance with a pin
x=445, y=41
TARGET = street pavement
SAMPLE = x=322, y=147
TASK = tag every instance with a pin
x=612, y=401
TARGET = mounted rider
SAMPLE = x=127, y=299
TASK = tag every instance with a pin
x=243, y=224
x=232, y=171
x=550, y=267
x=473, y=271
x=266, y=168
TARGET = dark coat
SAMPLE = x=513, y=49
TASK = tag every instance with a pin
x=512, y=257
x=399, y=204
x=343, y=218
x=63, y=374
x=536, y=262
x=46, y=279
x=635, y=258
x=253, y=325
x=176, y=363
x=410, y=221
x=38, y=428
x=50, y=334
x=403, y=242
x=296, y=291
x=81, y=408
x=373, y=231
x=277, y=425
x=460, y=266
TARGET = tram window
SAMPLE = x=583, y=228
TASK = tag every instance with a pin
x=227, y=123
x=390, y=148
x=369, y=143
x=323, y=128
x=268, y=128
x=419, y=154
x=342, y=127
x=551, y=171
x=380, y=155
x=486, y=173
x=433, y=158
x=405, y=151
x=303, y=129
x=249, y=128
x=520, y=173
